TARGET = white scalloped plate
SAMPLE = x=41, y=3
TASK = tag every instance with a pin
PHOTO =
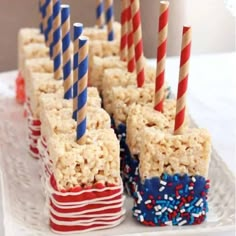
x=23, y=201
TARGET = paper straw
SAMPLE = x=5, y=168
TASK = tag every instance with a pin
x=41, y=3
x=131, y=53
x=57, y=42
x=49, y=28
x=161, y=56
x=124, y=30
x=99, y=14
x=138, y=42
x=66, y=55
x=183, y=80
x=78, y=29
x=82, y=89
x=109, y=19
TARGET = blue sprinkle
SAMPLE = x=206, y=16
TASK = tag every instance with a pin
x=160, y=201
x=186, y=189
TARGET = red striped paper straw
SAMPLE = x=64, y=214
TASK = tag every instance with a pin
x=131, y=53
x=183, y=80
x=161, y=56
x=138, y=42
x=124, y=30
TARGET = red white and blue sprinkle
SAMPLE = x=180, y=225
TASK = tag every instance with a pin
x=167, y=200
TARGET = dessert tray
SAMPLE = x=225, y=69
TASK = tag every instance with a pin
x=23, y=199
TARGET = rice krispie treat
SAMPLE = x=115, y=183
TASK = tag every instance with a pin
x=85, y=185
x=27, y=36
x=173, y=171
x=99, y=65
x=39, y=65
x=119, y=77
x=139, y=117
x=33, y=50
x=51, y=92
x=102, y=48
x=95, y=33
x=123, y=98
x=56, y=122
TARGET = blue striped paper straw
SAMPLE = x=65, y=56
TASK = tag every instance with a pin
x=99, y=13
x=57, y=44
x=110, y=19
x=78, y=29
x=49, y=28
x=67, y=73
x=82, y=89
x=41, y=17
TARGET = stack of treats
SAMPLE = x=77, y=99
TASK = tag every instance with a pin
x=122, y=130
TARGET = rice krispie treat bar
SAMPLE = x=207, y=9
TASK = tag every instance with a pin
x=39, y=65
x=85, y=185
x=27, y=36
x=119, y=77
x=43, y=85
x=102, y=48
x=173, y=171
x=123, y=98
x=56, y=122
x=99, y=65
x=139, y=117
x=33, y=50
x=95, y=33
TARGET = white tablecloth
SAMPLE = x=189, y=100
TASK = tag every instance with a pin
x=211, y=101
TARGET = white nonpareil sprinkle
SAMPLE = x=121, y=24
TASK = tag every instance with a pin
x=148, y=201
x=193, y=179
x=158, y=213
x=157, y=208
x=168, y=223
x=195, y=215
x=139, y=197
x=161, y=188
x=170, y=210
x=164, y=209
x=187, y=204
x=141, y=218
x=179, y=219
x=190, y=187
x=199, y=202
x=182, y=210
x=178, y=197
x=165, y=196
x=162, y=182
x=182, y=222
x=201, y=205
x=171, y=198
x=137, y=211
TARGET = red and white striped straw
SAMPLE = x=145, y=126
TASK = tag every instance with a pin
x=124, y=30
x=138, y=42
x=183, y=80
x=161, y=56
x=131, y=53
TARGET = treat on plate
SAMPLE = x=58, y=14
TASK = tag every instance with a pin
x=173, y=167
x=139, y=117
x=85, y=189
x=173, y=182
